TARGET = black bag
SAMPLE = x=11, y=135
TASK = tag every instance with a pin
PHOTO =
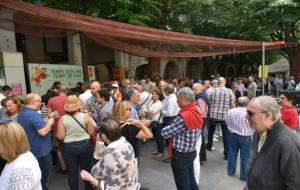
x=154, y=123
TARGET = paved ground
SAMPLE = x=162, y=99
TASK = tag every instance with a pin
x=158, y=176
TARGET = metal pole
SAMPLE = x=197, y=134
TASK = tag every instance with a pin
x=263, y=68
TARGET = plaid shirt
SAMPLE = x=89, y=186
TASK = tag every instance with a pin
x=220, y=100
x=183, y=140
x=93, y=107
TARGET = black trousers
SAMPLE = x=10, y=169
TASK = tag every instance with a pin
x=183, y=170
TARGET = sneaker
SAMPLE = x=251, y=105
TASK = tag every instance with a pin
x=216, y=136
x=215, y=139
x=154, y=153
x=62, y=172
x=213, y=148
x=159, y=157
x=167, y=160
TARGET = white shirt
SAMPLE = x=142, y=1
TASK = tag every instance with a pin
x=170, y=106
x=84, y=97
x=145, y=99
x=262, y=140
x=22, y=173
x=1, y=98
x=156, y=108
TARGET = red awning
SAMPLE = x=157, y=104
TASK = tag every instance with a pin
x=142, y=41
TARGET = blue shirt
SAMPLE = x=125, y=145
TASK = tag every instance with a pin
x=32, y=121
x=134, y=112
x=184, y=140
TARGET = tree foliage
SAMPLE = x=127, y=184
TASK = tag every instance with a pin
x=259, y=20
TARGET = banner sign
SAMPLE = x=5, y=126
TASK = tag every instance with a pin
x=91, y=73
x=266, y=71
x=42, y=76
x=16, y=89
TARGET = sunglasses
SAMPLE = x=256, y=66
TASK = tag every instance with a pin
x=251, y=113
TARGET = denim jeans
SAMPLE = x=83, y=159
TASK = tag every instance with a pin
x=211, y=132
x=158, y=137
x=77, y=154
x=243, y=144
x=45, y=164
x=183, y=170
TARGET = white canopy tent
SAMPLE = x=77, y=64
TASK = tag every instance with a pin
x=281, y=65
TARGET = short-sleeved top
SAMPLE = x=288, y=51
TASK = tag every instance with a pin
x=156, y=107
x=251, y=89
x=57, y=104
x=220, y=100
x=130, y=132
x=22, y=173
x=32, y=121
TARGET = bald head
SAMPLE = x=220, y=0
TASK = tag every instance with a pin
x=221, y=81
x=197, y=88
x=30, y=98
x=95, y=87
x=243, y=101
x=33, y=100
x=110, y=128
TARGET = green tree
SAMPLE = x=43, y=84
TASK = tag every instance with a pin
x=260, y=20
x=140, y=12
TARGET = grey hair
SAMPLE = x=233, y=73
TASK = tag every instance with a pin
x=169, y=88
x=129, y=92
x=269, y=104
x=187, y=94
x=243, y=101
x=146, y=87
x=63, y=89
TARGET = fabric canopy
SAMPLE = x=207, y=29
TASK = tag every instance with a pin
x=142, y=41
x=281, y=65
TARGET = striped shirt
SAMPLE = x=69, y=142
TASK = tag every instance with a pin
x=183, y=140
x=237, y=122
x=220, y=100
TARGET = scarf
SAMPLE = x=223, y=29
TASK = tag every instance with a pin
x=191, y=116
x=203, y=96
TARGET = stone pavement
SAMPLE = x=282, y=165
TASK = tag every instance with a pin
x=158, y=176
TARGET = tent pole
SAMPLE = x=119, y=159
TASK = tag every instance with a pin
x=263, y=69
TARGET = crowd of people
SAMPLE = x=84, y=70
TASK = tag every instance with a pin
x=95, y=130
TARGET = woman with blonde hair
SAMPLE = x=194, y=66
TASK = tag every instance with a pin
x=131, y=129
x=22, y=170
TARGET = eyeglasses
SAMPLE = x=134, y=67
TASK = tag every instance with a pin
x=251, y=113
x=129, y=109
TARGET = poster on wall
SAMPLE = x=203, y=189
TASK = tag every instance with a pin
x=42, y=76
x=91, y=73
x=16, y=89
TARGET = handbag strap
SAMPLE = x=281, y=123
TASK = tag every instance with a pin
x=146, y=99
x=159, y=117
x=80, y=124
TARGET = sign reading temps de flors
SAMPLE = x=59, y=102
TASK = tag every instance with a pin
x=42, y=76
